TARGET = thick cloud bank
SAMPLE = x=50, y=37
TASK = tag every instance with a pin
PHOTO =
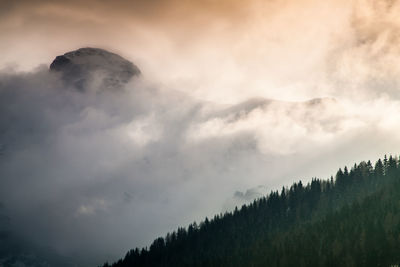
x=87, y=173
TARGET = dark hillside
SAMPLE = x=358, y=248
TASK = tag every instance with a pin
x=352, y=220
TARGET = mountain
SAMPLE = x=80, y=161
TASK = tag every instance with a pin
x=17, y=251
x=316, y=112
x=352, y=220
x=86, y=65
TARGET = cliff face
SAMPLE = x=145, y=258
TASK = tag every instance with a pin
x=85, y=66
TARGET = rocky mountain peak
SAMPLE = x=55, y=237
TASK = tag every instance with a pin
x=84, y=66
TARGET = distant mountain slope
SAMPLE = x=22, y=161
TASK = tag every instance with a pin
x=353, y=220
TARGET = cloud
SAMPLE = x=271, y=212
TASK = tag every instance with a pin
x=208, y=49
x=98, y=172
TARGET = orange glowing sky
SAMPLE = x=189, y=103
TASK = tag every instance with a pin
x=222, y=51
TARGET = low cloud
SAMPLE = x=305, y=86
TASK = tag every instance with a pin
x=94, y=173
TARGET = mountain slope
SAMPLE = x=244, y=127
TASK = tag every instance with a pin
x=350, y=221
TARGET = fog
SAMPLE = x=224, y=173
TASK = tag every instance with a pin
x=92, y=174
x=231, y=104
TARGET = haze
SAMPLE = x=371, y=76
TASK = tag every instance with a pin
x=235, y=99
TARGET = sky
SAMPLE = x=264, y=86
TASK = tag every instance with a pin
x=235, y=99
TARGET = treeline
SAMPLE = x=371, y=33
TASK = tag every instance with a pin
x=350, y=220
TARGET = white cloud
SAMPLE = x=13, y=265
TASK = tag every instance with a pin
x=144, y=130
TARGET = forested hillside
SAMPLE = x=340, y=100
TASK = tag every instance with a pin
x=350, y=220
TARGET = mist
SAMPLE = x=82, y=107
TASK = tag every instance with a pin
x=92, y=174
x=231, y=104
